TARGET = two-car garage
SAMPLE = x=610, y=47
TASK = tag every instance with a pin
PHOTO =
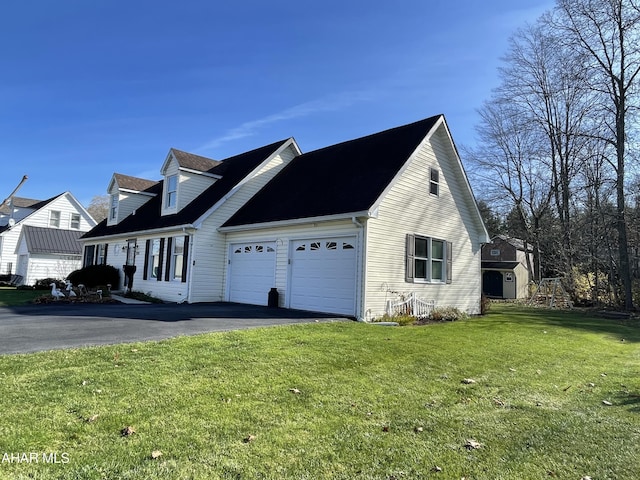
x=320, y=273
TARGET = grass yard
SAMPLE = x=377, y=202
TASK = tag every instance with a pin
x=11, y=296
x=336, y=401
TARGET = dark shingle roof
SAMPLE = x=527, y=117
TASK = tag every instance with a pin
x=147, y=217
x=193, y=161
x=52, y=240
x=500, y=265
x=344, y=178
x=134, y=183
x=20, y=202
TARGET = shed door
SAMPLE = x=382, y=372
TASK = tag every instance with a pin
x=323, y=275
x=251, y=272
x=492, y=283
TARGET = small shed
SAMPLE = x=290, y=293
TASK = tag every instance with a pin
x=506, y=268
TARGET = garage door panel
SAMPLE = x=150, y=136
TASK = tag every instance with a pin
x=323, y=275
x=252, y=272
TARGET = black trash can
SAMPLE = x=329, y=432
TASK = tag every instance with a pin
x=274, y=296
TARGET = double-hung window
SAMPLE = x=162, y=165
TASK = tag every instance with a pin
x=154, y=258
x=113, y=207
x=171, y=191
x=75, y=221
x=434, y=182
x=428, y=260
x=177, y=258
x=54, y=219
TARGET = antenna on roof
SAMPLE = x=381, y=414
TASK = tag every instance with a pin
x=6, y=200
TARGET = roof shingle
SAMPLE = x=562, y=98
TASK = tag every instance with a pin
x=345, y=178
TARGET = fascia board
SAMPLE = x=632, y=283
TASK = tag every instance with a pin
x=296, y=221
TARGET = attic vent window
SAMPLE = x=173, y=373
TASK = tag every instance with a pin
x=172, y=191
x=495, y=252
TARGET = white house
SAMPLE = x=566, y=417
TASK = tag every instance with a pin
x=39, y=238
x=340, y=230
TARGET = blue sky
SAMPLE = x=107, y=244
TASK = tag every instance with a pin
x=89, y=88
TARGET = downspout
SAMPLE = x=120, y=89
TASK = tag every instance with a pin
x=360, y=225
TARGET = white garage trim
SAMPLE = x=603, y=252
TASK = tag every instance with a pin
x=322, y=274
x=251, y=272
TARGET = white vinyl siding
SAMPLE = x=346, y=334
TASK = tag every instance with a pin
x=449, y=216
x=210, y=247
x=65, y=204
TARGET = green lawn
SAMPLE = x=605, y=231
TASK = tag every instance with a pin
x=341, y=400
x=10, y=296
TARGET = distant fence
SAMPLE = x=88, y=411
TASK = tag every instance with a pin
x=411, y=305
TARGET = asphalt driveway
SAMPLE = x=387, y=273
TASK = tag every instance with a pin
x=35, y=328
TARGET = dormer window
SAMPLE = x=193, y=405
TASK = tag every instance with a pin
x=113, y=209
x=172, y=191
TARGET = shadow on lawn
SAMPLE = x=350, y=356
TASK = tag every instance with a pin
x=627, y=330
x=630, y=400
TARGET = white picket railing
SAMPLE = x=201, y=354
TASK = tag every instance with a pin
x=411, y=305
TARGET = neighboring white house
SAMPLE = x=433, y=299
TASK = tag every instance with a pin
x=39, y=238
x=340, y=230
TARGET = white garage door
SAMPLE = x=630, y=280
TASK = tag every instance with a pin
x=323, y=275
x=251, y=272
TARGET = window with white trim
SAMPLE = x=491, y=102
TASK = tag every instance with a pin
x=113, y=207
x=171, y=191
x=434, y=182
x=154, y=258
x=54, y=218
x=75, y=221
x=177, y=258
x=428, y=260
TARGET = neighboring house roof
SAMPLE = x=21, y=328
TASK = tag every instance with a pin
x=134, y=183
x=339, y=179
x=41, y=240
x=147, y=217
x=27, y=203
x=500, y=265
x=516, y=242
x=193, y=161
x=20, y=202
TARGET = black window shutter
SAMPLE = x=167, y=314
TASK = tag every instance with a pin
x=145, y=272
x=410, y=257
x=160, y=254
x=185, y=258
x=449, y=266
x=106, y=249
x=167, y=269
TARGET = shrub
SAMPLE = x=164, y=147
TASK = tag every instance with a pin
x=45, y=283
x=447, y=314
x=401, y=320
x=95, y=275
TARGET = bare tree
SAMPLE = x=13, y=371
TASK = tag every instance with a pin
x=99, y=207
x=509, y=162
x=608, y=33
x=549, y=84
